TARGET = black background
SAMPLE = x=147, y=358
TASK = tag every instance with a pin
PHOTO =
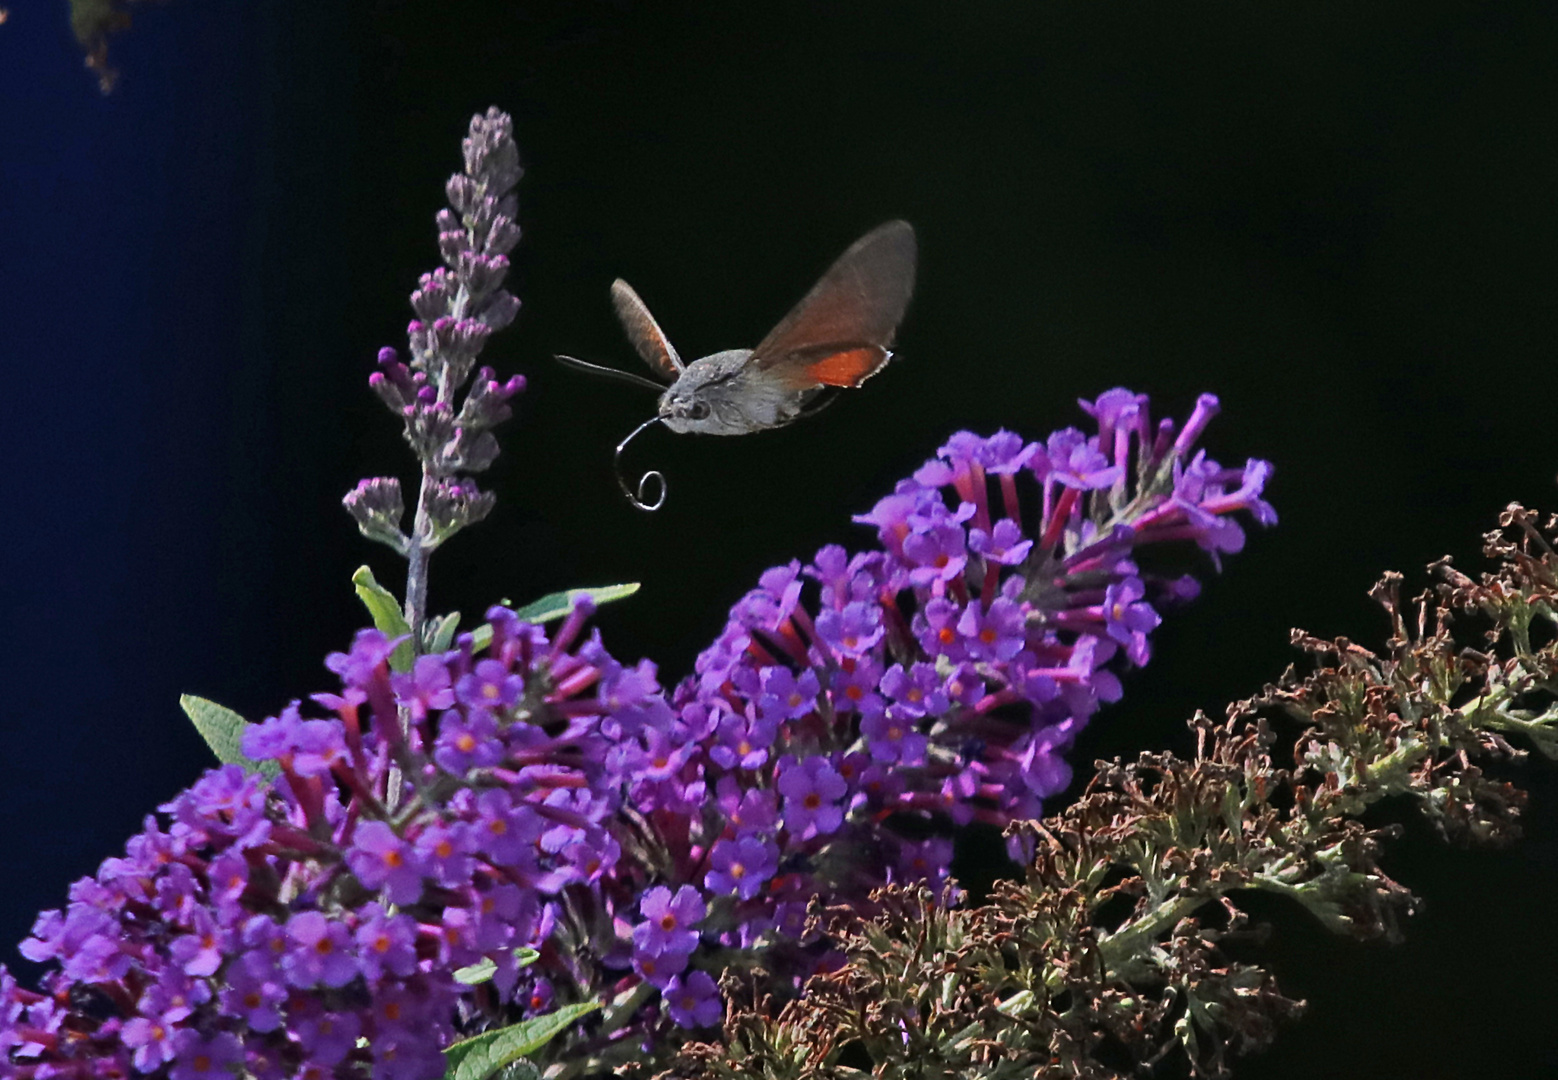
x=1340, y=220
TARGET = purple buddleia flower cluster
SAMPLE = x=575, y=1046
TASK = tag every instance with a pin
x=532, y=791
x=302, y=929
x=857, y=709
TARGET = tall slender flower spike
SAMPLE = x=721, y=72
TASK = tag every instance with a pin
x=457, y=306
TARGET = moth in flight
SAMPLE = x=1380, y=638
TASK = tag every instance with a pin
x=837, y=336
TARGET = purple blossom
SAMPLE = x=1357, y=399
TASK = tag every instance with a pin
x=1129, y=620
x=854, y=631
x=151, y=1040
x=327, y=1037
x=1076, y=462
x=741, y=866
x=1004, y=545
x=426, y=688
x=812, y=791
x=503, y=831
x=743, y=742
x=937, y=555
x=264, y=945
x=490, y=686
x=467, y=741
x=669, y=920
x=386, y=944
x=785, y=696
x=936, y=627
x=200, y=952
x=693, y=1001
x=319, y=951
x=917, y=691
x=382, y=860
x=997, y=635
x=444, y=852
x=199, y=1058
x=367, y=660
x=751, y=810
x=891, y=735
x=659, y=967
x=257, y=997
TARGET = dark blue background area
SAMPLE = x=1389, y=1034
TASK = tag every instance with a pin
x=1341, y=221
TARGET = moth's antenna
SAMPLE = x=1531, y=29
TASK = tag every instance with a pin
x=604, y=372
x=638, y=500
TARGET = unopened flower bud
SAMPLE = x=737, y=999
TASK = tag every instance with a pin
x=377, y=507
x=454, y=503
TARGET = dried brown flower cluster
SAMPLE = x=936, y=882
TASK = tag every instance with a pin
x=1109, y=956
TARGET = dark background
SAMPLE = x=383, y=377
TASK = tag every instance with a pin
x=1339, y=219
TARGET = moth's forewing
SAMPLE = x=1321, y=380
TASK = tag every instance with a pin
x=839, y=334
x=645, y=334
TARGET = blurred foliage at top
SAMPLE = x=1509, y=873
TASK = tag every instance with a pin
x=94, y=22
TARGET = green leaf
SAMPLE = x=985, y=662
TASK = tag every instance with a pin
x=480, y=1057
x=554, y=606
x=385, y=609
x=223, y=730
x=442, y=635
x=474, y=974
x=484, y=968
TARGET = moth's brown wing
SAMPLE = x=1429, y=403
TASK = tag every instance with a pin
x=839, y=334
x=645, y=334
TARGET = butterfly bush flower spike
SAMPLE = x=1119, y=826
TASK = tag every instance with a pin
x=458, y=306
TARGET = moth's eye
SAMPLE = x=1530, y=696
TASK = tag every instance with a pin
x=698, y=410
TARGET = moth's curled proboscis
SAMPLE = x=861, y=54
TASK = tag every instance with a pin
x=639, y=498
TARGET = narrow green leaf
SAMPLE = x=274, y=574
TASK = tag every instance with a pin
x=554, y=606
x=385, y=610
x=480, y=1057
x=484, y=968
x=474, y=974
x=443, y=632
x=223, y=730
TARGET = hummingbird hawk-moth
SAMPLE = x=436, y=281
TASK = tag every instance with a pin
x=838, y=336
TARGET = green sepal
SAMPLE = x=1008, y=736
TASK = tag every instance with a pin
x=223, y=731
x=480, y=1057
x=554, y=606
x=385, y=610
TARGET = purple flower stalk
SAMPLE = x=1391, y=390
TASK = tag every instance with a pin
x=458, y=307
